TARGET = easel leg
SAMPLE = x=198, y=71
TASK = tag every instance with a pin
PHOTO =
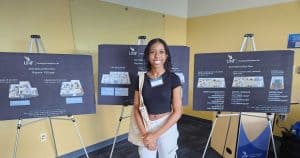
x=78, y=134
x=53, y=137
x=19, y=125
x=117, y=132
x=209, y=138
x=271, y=132
x=227, y=132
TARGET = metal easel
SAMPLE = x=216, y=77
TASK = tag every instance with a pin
x=36, y=40
x=118, y=128
x=244, y=46
x=247, y=38
x=142, y=40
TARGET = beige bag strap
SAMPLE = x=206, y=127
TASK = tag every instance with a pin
x=141, y=84
x=142, y=108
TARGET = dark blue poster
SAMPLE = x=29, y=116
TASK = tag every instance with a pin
x=43, y=85
x=243, y=81
x=119, y=66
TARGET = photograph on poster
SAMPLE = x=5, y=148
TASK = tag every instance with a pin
x=277, y=83
x=211, y=83
x=116, y=78
x=22, y=90
x=14, y=91
x=248, y=82
x=72, y=88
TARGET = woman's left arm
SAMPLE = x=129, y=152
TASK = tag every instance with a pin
x=173, y=118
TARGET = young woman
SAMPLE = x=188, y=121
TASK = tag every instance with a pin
x=162, y=97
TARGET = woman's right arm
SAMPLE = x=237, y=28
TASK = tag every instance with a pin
x=137, y=115
x=139, y=121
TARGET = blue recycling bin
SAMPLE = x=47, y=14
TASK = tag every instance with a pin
x=296, y=129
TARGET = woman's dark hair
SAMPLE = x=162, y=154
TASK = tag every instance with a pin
x=167, y=64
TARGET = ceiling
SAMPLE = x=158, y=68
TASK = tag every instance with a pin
x=194, y=8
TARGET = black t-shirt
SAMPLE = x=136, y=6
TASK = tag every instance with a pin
x=158, y=99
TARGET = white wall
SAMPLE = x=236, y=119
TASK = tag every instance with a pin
x=194, y=8
x=208, y=7
x=171, y=7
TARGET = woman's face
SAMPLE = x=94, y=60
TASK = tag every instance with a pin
x=157, y=55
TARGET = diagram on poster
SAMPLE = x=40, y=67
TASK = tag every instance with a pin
x=116, y=78
x=211, y=83
x=22, y=90
x=72, y=88
x=248, y=82
x=120, y=65
x=257, y=81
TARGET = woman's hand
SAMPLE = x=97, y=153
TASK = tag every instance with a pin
x=151, y=146
x=149, y=139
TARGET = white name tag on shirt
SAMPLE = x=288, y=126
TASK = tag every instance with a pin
x=156, y=82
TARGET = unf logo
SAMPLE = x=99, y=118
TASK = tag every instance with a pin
x=132, y=51
x=27, y=61
x=230, y=59
x=245, y=154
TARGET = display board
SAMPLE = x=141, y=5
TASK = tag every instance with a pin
x=44, y=85
x=119, y=66
x=257, y=81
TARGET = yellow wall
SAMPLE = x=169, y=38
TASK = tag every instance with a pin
x=175, y=30
x=51, y=19
x=19, y=19
x=79, y=26
x=75, y=26
x=224, y=32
